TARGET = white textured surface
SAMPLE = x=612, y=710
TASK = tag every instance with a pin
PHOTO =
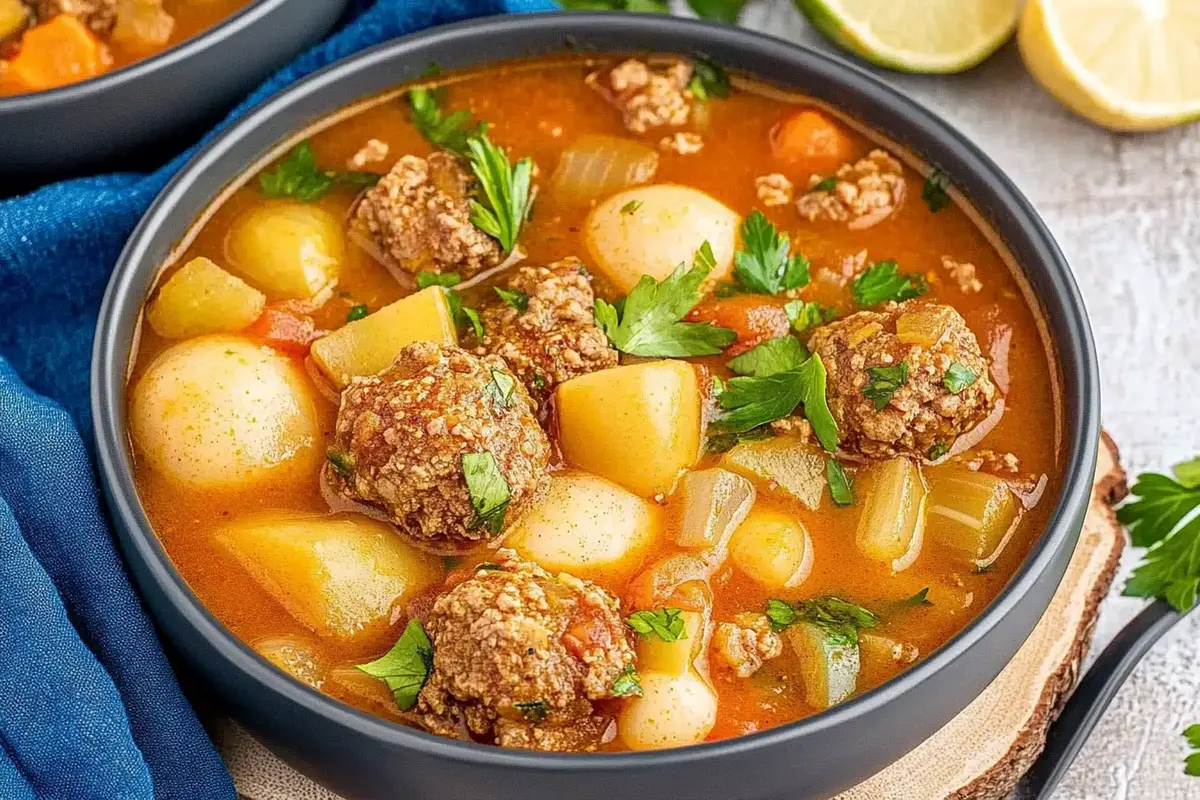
x=1126, y=211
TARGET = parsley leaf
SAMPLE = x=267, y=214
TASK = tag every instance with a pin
x=425, y=279
x=958, y=378
x=648, y=323
x=631, y=207
x=449, y=132
x=505, y=186
x=1163, y=519
x=357, y=313
x=934, y=191
x=781, y=614
x=514, y=298
x=628, y=683
x=937, y=450
x=341, y=463
x=501, y=387
x=882, y=282
x=825, y=184
x=487, y=488
x=804, y=315
x=884, y=382
x=708, y=80
x=534, y=711
x=921, y=598
x=724, y=442
x=720, y=10
x=297, y=176
x=406, y=666
x=840, y=619
x=1188, y=473
x=772, y=356
x=464, y=316
x=1192, y=765
x=763, y=263
x=839, y=484
x=665, y=623
x=750, y=402
x=1161, y=505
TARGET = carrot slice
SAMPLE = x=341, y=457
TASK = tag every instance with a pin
x=57, y=53
x=284, y=331
x=808, y=135
x=753, y=318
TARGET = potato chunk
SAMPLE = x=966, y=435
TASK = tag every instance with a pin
x=970, y=512
x=892, y=524
x=796, y=467
x=673, y=711
x=587, y=526
x=367, y=346
x=650, y=230
x=673, y=658
x=637, y=425
x=773, y=549
x=289, y=249
x=829, y=663
x=337, y=576
x=298, y=656
x=202, y=298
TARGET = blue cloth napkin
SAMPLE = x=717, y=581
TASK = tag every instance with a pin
x=89, y=707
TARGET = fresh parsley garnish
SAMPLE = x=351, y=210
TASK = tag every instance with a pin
x=627, y=683
x=772, y=356
x=464, y=316
x=917, y=600
x=505, y=187
x=882, y=282
x=539, y=381
x=720, y=10
x=937, y=450
x=488, y=490
x=534, y=711
x=631, y=207
x=958, y=378
x=751, y=402
x=724, y=442
x=297, y=176
x=488, y=566
x=425, y=279
x=934, y=191
x=1192, y=764
x=665, y=623
x=708, y=80
x=884, y=382
x=501, y=387
x=1163, y=519
x=805, y=315
x=839, y=484
x=825, y=185
x=341, y=463
x=1188, y=473
x=450, y=132
x=764, y=263
x=840, y=619
x=641, y=6
x=514, y=298
x=356, y=313
x=406, y=666
x=648, y=323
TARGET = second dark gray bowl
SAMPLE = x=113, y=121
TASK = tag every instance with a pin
x=365, y=758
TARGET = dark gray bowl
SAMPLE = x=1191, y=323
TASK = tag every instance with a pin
x=90, y=123
x=365, y=758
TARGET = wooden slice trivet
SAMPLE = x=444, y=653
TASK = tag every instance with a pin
x=979, y=755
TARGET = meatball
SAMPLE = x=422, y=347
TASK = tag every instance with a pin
x=555, y=337
x=420, y=216
x=519, y=654
x=403, y=438
x=98, y=15
x=946, y=391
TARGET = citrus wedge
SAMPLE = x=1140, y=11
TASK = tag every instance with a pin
x=916, y=35
x=1129, y=65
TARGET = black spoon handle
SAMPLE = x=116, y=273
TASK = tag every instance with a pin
x=1092, y=696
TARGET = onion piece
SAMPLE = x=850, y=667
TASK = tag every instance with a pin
x=1030, y=498
x=515, y=257
x=998, y=349
x=974, y=436
x=357, y=236
x=595, y=166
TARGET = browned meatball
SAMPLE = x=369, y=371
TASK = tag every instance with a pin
x=99, y=15
x=405, y=436
x=555, y=338
x=928, y=411
x=519, y=654
x=420, y=215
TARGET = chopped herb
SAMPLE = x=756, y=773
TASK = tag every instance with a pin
x=488, y=490
x=921, y=598
x=724, y=442
x=708, y=80
x=958, y=378
x=764, y=264
x=640, y=6
x=1192, y=764
x=464, y=316
x=937, y=450
x=489, y=566
x=406, y=666
x=356, y=313
x=840, y=619
x=718, y=386
x=425, y=279
x=665, y=623
x=724, y=290
x=719, y=10
x=825, y=185
x=648, y=322
x=839, y=484
x=534, y=711
x=885, y=382
x=781, y=614
x=539, y=382
x=505, y=187
x=627, y=683
x=751, y=402
x=882, y=282
x=297, y=176
x=1162, y=518
x=772, y=356
x=341, y=463
x=450, y=132
x=805, y=315
x=934, y=191
x=450, y=562
x=1188, y=473
x=501, y=387
x=631, y=207
x=514, y=298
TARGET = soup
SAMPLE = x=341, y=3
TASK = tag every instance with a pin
x=45, y=44
x=593, y=404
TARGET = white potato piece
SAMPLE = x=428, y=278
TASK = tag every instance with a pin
x=673, y=711
x=337, y=576
x=587, y=526
x=287, y=248
x=650, y=230
x=773, y=548
x=221, y=411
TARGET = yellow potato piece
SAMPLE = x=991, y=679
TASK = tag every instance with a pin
x=368, y=345
x=673, y=711
x=637, y=425
x=337, y=576
x=772, y=548
x=203, y=298
x=672, y=658
x=289, y=249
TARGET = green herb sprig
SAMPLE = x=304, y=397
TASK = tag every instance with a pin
x=764, y=263
x=1162, y=517
x=882, y=282
x=405, y=667
x=840, y=619
x=664, y=623
x=488, y=490
x=749, y=402
x=298, y=177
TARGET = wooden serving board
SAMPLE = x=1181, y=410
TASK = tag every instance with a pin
x=979, y=755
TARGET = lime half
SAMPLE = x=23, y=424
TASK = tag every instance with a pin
x=916, y=35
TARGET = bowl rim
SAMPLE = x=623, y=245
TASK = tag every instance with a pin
x=1075, y=353
x=244, y=18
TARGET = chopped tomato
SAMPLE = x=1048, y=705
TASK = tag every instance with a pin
x=285, y=330
x=57, y=53
x=808, y=136
x=753, y=317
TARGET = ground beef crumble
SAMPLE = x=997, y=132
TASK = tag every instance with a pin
x=964, y=274
x=685, y=144
x=372, y=152
x=746, y=643
x=647, y=96
x=864, y=193
x=773, y=190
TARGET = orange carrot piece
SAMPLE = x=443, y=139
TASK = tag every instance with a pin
x=808, y=135
x=752, y=317
x=57, y=53
x=284, y=331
